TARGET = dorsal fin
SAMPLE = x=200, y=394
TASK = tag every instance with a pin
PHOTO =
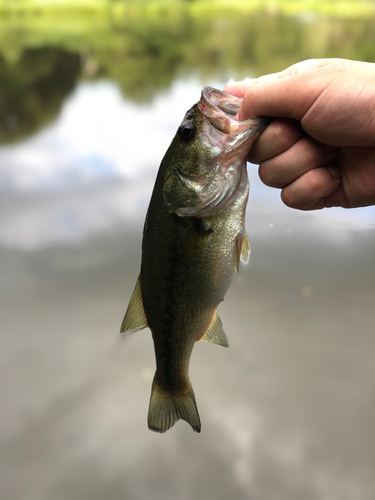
x=135, y=317
x=242, y=249
x=215, y=333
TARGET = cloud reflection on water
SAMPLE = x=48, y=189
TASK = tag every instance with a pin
x=287, y=411
x=97, y=136
x=95, y=166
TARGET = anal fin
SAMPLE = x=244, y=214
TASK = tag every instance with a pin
x=242, y=249
x=135, y=317
x=215, y=333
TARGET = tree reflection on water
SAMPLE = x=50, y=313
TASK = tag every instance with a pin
x=33, y=88
x=288, y=411
x=144, y=54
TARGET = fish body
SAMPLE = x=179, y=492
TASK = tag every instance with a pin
x=194, y=236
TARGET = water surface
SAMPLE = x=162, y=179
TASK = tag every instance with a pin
x=287, y=411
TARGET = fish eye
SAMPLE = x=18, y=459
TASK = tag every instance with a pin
x=186, y=131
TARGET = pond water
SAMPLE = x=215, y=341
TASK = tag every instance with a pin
x=288, y=410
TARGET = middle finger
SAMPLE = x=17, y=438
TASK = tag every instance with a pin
x=303, y=156
x=278, y=137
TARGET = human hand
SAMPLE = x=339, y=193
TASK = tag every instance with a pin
x=320, y=147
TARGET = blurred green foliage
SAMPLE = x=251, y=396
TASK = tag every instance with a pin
x=32, y=89
x=144, y=47
x=331, y=7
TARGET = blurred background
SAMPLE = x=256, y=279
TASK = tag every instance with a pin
x=91, y=94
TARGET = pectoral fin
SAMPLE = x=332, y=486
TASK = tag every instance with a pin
x=242, y=249
x=135, y=317
x=215, y=333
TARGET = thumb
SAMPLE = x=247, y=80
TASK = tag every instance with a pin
x=288, y=97
x=288, y=94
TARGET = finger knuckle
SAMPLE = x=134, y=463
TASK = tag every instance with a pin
x=279, y=135
x=313, y=180
x=284, y=134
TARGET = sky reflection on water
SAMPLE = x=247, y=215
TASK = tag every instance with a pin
x=287, y=411
x=98, y=140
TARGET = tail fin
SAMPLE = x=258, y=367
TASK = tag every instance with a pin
x=166, y=409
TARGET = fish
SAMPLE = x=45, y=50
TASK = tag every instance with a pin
x=193, y=240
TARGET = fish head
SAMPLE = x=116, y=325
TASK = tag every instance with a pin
x=206, y=162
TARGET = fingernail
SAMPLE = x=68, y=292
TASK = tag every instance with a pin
x=239, y=85
x=235, y=89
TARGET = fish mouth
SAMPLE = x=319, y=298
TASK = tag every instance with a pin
x=226, y=142
x=221, y=110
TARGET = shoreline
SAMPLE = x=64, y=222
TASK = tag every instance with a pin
x=118, y=10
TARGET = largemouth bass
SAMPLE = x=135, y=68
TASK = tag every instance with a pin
x=193, y=239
